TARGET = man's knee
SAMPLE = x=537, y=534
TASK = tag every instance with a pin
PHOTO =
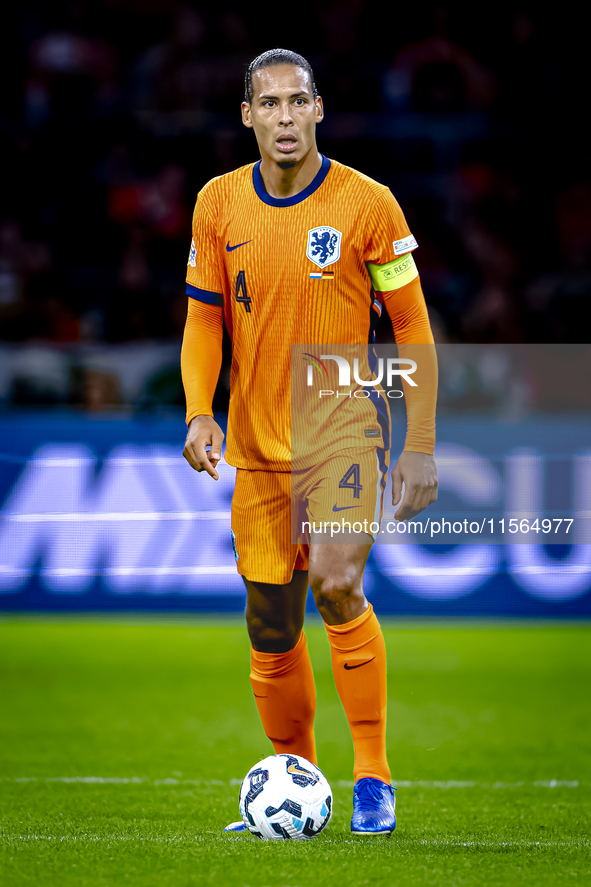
x=337, y=595
x=275, y=613
x=271, y=635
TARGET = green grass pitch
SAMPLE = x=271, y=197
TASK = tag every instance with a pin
x=123, y=742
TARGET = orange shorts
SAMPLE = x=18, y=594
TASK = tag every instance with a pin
x=274, y=513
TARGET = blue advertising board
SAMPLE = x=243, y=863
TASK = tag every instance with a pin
x=105, y=514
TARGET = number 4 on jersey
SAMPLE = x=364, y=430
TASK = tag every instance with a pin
x=241, y=291
x=351, y=480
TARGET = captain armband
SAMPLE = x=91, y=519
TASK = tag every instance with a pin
x=394, y=275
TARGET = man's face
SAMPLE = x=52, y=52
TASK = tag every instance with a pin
x=283, y=114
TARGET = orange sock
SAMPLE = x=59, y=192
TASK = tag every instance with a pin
x=359, y=668
x=283, y=685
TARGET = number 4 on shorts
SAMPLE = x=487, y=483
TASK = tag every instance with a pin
x=351, y=480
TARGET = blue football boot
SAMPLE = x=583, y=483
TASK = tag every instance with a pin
x=374, y=803
x=236, y=827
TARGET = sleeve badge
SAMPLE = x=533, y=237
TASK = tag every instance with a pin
x=406, y=245
x=193, y=254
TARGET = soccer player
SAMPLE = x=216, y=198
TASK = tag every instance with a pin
x=263, y=236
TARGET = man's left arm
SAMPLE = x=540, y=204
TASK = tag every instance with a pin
x=410, y=321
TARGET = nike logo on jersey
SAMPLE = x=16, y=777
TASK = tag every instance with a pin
x=344, y=507
x=229, y=248
x=367, y=661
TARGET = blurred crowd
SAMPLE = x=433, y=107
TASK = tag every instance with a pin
x=113, y=113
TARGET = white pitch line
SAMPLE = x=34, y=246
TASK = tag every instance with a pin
x=495, y=844
x=339, y=783
x=91, y=838
x=424, y=842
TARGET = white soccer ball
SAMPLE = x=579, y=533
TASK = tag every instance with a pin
x=285, y=796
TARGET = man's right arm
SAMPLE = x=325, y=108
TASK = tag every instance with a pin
x=201, y=355
x=201, y=361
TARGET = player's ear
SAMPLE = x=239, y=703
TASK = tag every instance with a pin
x=319, y=105
x=246, y=114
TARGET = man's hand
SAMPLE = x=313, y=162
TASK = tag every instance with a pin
x=204, y=431
x=419, y=473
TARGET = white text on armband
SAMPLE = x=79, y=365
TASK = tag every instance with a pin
x=394, y=275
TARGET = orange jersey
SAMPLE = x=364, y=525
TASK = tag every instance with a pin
x=290, y=271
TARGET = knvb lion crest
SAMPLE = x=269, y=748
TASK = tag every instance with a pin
x=324, y=245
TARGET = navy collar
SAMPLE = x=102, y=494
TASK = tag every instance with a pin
x=259, y=187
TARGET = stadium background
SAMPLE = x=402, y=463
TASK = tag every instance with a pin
x=113, y=114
